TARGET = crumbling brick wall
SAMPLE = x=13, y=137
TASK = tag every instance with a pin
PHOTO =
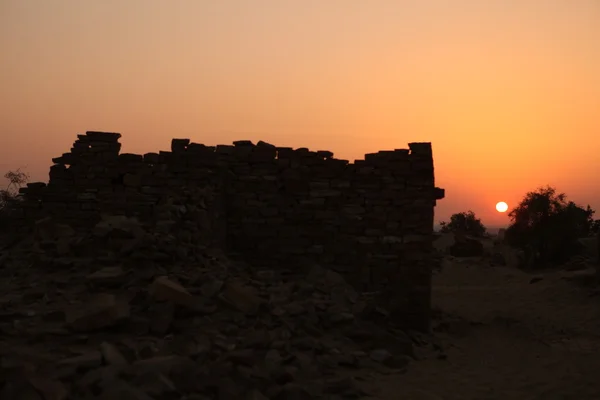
x=371, y=219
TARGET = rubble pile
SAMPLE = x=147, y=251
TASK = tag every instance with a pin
x=182, y=229
x=152, y=311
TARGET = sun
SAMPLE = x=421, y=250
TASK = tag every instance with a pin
x=501, y=207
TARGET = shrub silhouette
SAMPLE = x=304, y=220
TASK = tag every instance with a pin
x=546, y=226
x=10, y=195
x=595, y=229
x=464, y=222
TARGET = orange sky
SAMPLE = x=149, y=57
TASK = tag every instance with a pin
x=508, y=91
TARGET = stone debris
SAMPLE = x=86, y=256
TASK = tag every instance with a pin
x=243, y=298
x=107, y=276
x=102, y=312
x=163, y=289
x=111, y=355
x=158, y=322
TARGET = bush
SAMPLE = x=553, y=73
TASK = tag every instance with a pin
x=464, y=222
x=546, y=226
x=595, y=229
x=9, y=197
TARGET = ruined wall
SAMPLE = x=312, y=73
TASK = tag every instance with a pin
x=371, y=219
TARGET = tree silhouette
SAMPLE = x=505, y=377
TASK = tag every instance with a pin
x=464, y=222
x=547, y=226
x=16, y=179
x=9, y=196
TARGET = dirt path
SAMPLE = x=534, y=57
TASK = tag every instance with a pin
x=507, y=338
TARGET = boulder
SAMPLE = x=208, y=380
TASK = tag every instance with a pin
x=466, y=246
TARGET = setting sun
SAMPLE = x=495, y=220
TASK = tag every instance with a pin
x=501, y=207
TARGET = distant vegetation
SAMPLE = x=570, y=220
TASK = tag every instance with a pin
x=596, y=226
x=9, y=195
x=546, y=226
x=465, y=222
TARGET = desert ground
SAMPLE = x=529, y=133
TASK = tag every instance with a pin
x=507, y=334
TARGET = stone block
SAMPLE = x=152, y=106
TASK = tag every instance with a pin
x=103, y=136
x=179, y=145
x=102, y=312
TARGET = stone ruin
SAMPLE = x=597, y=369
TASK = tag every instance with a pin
x=371, y=220
x=320, y=264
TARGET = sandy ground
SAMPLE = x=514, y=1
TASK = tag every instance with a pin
x=507, y=338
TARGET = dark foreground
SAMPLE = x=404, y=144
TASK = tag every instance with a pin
x=508, y=335
x=126, y=313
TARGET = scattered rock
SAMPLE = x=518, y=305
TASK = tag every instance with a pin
x=103, y=312
x=242, y=297
x=119, y=389
x=108, y=276
x=162, y=318
x=380, y=355
x=163, y=289
x=111, y=355
x=211, y=287
x=148, y=312
x=416, y=394
x=83, y=362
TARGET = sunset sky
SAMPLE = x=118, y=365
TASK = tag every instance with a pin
x=508, y=91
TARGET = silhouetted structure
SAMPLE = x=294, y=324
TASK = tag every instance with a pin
x=371, y=219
